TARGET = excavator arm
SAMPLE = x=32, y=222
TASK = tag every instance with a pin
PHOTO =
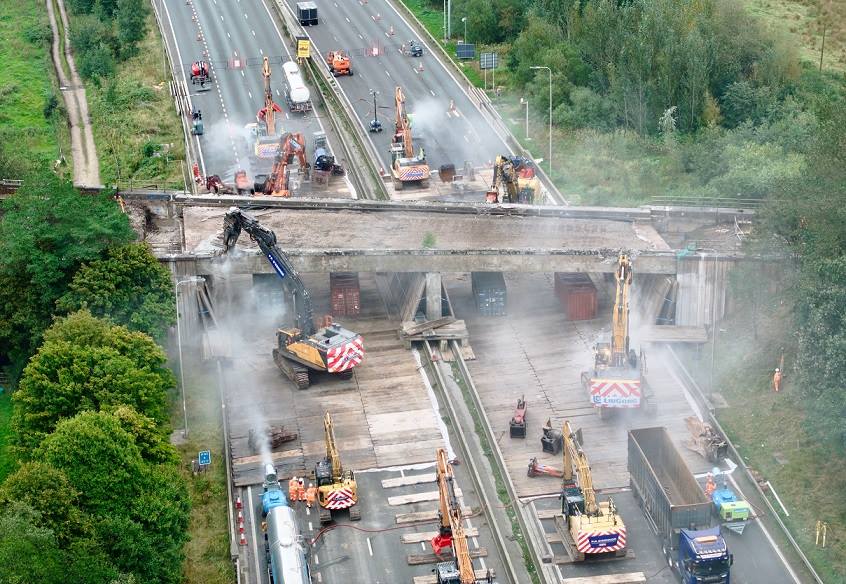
x=236, y=220
x=620, y=322
x=576, y=464
x=270, y=108
x=332, y=448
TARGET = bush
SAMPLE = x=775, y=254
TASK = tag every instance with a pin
x=587, y=109
x=97, y=63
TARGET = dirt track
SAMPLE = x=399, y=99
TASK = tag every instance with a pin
x=86, y=166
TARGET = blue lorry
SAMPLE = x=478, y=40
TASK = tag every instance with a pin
x=677, y=509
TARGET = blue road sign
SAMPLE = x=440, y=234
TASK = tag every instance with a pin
x=205, y=457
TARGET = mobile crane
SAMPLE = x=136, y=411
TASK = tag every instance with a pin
x=451, y=531
x=405, y=166
x=617, y=379
x=336, y=487
x=591, y=528
x=302, y=348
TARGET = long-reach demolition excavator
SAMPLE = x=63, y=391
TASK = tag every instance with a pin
x=277, y=183
x=618, y=377
x=265, y=140
x=336, y=487
x=590, y=529
x=451, y=535
x=514, y=181
x=406, y=168
x=302, y=348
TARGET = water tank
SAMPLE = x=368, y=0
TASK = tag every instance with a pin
x=297, y=90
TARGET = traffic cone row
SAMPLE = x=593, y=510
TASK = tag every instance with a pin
x=243, y=538
x=238, y=504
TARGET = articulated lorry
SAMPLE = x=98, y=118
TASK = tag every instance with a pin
x=677, y=508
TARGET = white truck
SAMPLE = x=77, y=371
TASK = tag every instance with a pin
x=296, y=92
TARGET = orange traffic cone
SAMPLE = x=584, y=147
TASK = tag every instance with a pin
x=242, y=540
x=391, y=30
x=420, y=68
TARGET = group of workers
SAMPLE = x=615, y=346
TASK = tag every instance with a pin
x=297, y=491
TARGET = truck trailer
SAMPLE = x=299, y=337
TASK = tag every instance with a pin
x=676, y=508
x=296, y=93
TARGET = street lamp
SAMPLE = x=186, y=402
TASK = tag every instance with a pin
x=191, y=280
x=464, y=20
x=714, y=326
x=525, y=101
x=550, y=114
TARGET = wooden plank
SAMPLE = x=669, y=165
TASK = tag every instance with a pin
x=418, y=498
x=411, y=328
x=480, y=575
x=554, y=538
x=409, y=480
x=429, y=535
x=423, y=516
x=420, y=559
x=547, y=513
x=630, y=578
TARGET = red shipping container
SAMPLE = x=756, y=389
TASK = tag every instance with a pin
x=344, y=293
x=577, y=295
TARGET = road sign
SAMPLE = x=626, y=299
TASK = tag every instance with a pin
x=205, y=457
x=303, y=47
x=465, y=50
x=488, y=60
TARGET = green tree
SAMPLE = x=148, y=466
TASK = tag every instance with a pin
x=153, y=445
x=131, y=25
x=47, y=231
x=140, y=511
x=87, y=364
x=28, y=552
x=130, y=286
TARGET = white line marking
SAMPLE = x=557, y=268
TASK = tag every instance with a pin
x=369, y=547
x=250, y=94
x=432, y=92
x=254, y=32
x=347, y=18
x=242, y=73
x=388, y=73
x=316, y=560
x=227, y=36
x=221, y=17
x=261, y=51
x=359, y=36
x=423, y=545
x=235, y=53
x=310, y=526
x=466, y=139
x=245, y=15
x=253, y=532
x=277, y=93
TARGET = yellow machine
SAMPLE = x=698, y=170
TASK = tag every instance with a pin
x=336, y=487
x=406, y=168
x=593, y=528
x=617, y=378
x=451, y=531
x=514, y=181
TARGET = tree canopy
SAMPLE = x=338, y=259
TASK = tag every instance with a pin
x=86, y=363
x=129, y=286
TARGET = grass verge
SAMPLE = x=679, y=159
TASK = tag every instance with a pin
x=30, y=110
x=501, y=490
x=207, y=558
x=133, y=115
x=7, y=462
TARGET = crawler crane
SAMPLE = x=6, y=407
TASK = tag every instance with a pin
x=592, y=529
x=302, y=348
x=406, y=168
x=336, y=487
x=617, y=378
x=451, y=532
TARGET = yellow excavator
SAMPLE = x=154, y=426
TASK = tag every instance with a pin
x=617, y=379
x=451, y=534
x=336, y=487
x=514, y=181
x=406, y=168
x=592, y=529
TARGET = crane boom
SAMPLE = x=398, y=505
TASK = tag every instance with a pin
x=620, y=322
x=332, y=448
x=451, y=528
x=236, y=220
x=402, y=129
x=576, y=462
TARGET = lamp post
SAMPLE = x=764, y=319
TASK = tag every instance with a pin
x=714, y=326
x=464, y=20
x=550, y=113
x=192, y=280
x=525, y=101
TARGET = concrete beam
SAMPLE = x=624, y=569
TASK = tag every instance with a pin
x=492, y=260
x=434, y=310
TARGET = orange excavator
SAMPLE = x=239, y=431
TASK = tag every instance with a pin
x=406, y=168
x=451, y=534
x=277, y=184
x=263, y=133
x=338, y=63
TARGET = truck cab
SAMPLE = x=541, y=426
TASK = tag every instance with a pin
x=703, y=557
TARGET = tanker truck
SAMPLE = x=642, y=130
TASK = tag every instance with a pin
x=296, y=92
x=676, y=508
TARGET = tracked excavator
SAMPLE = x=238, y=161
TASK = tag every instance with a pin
x=406, y=168
x=451, y=534
x=277, y=183
x=336, y=486
x=589, y=528
x=618, y=376
x=514, y=181
x=303, y=348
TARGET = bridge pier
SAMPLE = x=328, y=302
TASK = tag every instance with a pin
x=434, y=307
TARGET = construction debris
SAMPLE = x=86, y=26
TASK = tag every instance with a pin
x=273, y=435
x=705, y=440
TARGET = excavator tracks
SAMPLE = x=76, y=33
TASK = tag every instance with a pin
x=297, y=373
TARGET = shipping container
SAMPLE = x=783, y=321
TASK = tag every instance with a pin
x=577, y=295
x=489, y=293
x=670, y=495
x=307, y=13
x=345, y=293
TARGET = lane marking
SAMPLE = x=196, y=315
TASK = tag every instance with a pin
x=347, y=19
x=250, y=93
x=359, y=36
x=432, y=92
x=388, y=73
x=254, y=32
x=221, y=17
x=277, y=93
x=245, y=16
x=235, y=52
x=242, y=73
x=261, y=51
x=227, y=36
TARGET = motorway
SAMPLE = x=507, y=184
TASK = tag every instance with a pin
x=233, y=36
x=362, y=27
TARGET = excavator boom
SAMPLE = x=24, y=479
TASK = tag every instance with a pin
x=269, y=106
x=332, y=449
x=451, y=528
x=620, y=322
